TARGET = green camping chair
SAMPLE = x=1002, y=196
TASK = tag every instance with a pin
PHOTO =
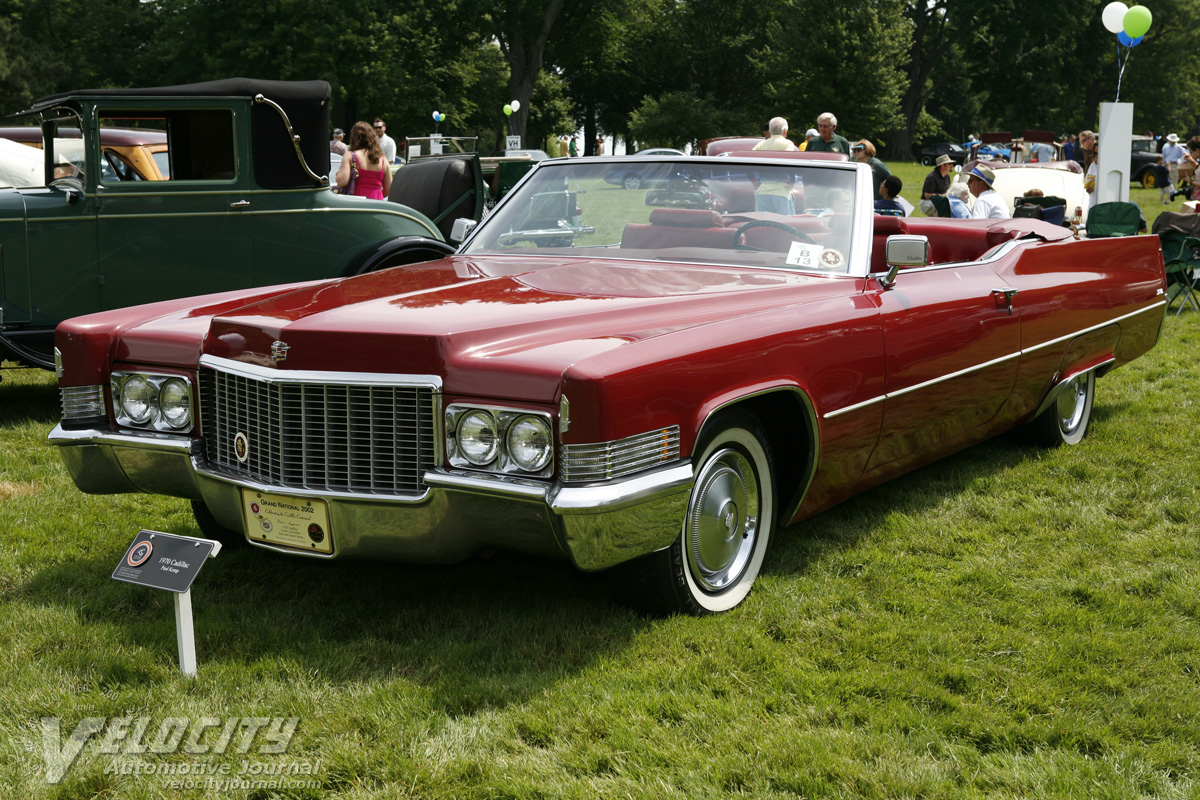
x=1180, y=237
x=941, y=204
x=1113, y=219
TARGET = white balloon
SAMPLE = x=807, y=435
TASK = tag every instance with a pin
x=1114, y=17
x=516, y=104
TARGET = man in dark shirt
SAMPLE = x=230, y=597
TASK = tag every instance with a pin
x=827, y=141
x=936, y=182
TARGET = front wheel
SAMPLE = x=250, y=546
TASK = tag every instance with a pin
x=1066, y=422
x=208, y=525
x=632, y=181
x=730, y=516
x=926, y=161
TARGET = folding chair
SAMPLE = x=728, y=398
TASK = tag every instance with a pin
x=1113, y=219
x=1180, y=236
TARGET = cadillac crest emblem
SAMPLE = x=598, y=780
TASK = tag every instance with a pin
x=241, y=447
x=279, y=350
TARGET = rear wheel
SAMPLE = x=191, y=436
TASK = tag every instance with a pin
x=926, y=161
x=1066, y=421
x=730, y=516
x=632, y=181
x=1147, y=179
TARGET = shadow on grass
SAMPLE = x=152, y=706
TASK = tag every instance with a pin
x=26, y=398
x=482, y=634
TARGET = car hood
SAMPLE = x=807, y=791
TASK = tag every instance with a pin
x=481, y=323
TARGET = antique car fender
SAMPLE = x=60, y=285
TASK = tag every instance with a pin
x=397, y=252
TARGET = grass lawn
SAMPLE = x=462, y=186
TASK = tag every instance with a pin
x=1007, y=623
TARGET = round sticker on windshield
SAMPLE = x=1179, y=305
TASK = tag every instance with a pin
x=832, y=259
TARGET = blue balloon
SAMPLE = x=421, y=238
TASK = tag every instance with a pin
x=1137, y=41
x=1124, y=39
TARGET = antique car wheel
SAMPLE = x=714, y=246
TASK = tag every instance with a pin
x=1147, y=179
x=730, y=516
x=1066, y=422
x=230, y=540
x=632, y=181
x=926, y=161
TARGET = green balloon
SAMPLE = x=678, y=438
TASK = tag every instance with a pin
x=1137, y=21
x=507, y=110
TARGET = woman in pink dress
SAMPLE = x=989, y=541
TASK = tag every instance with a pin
x=374, y=173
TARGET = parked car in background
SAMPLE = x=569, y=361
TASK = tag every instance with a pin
x=660, y=151
x=958, y=154
x=532, y=155
x=20, y=165
x=988, y=152
x=657, y=379
x=1143, y=155
x=150, y=194
x=126, y=154
x=1055, y=179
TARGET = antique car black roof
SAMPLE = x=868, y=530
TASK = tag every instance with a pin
x=306, y=104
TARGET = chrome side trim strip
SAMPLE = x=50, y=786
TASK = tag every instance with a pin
x=269, y=375
x=1096, y=327
x=992, y=363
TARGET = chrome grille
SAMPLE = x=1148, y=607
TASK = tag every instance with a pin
x=604, y=460
x=82, y=402
x=346, y=437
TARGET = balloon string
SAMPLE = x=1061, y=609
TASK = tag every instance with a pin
x=1121, y=74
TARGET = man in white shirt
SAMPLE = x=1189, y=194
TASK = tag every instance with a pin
x=1172, y=154
x=988, y=203
x=386, y=143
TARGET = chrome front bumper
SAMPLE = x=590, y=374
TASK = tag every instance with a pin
x=459, y=514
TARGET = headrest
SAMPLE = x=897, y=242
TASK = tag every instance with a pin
x=884, y=224
x=686, y=218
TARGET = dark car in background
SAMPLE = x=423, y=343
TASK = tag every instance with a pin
x=958, y=154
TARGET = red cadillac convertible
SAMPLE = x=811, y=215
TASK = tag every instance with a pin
x=657, y=378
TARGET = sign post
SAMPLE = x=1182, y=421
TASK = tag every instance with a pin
x=169, y=562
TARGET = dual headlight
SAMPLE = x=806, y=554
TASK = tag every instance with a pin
x=500, y=440
x=158, y=402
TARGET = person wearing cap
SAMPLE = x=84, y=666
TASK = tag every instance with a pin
x=337, y=143
x=777, y=129
x=809, y=135
x=988, y=202
x=1172, y=154
x=827, y=141
x=936, y=182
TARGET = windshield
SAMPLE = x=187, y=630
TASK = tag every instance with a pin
x=787, y=214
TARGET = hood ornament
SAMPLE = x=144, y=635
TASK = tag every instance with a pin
x=279, y=350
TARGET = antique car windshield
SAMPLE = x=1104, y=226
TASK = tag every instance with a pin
x=787, y=214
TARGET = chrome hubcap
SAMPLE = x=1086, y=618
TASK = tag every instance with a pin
x=722, y=520
x=1071, y=403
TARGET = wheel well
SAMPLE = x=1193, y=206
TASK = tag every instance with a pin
x=789, y=423
x=397, y=252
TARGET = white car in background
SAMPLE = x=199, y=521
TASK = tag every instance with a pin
x=1055, y=179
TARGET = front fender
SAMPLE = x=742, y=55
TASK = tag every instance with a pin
x=397, y=252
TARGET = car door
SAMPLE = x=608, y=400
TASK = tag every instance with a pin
x=952, y=349
x=189, y=233
x=59, y=276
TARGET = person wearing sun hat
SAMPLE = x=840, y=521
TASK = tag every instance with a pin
x=988, y=203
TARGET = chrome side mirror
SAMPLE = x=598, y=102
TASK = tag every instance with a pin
x=904, y=251
x=462, y=229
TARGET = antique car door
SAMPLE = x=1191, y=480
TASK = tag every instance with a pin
x=952, y=348
x=60, y=230
x=189, y=233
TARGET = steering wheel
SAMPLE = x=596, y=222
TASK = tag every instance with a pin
x=768, y=223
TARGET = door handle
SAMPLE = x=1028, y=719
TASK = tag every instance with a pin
x=240, y=204
x=1005, y=293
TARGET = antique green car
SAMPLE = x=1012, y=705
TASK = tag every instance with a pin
x=244, y=202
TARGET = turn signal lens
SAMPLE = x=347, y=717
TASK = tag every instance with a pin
x=530, y=444
x=478, y=440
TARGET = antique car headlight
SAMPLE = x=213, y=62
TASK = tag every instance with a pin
x=137, y=398
x=175, y=401
x=530, y=443
x=507, y=441
x=478, y=439
x=149, y=400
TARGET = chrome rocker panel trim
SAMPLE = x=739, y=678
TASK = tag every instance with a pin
x=594, y=526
